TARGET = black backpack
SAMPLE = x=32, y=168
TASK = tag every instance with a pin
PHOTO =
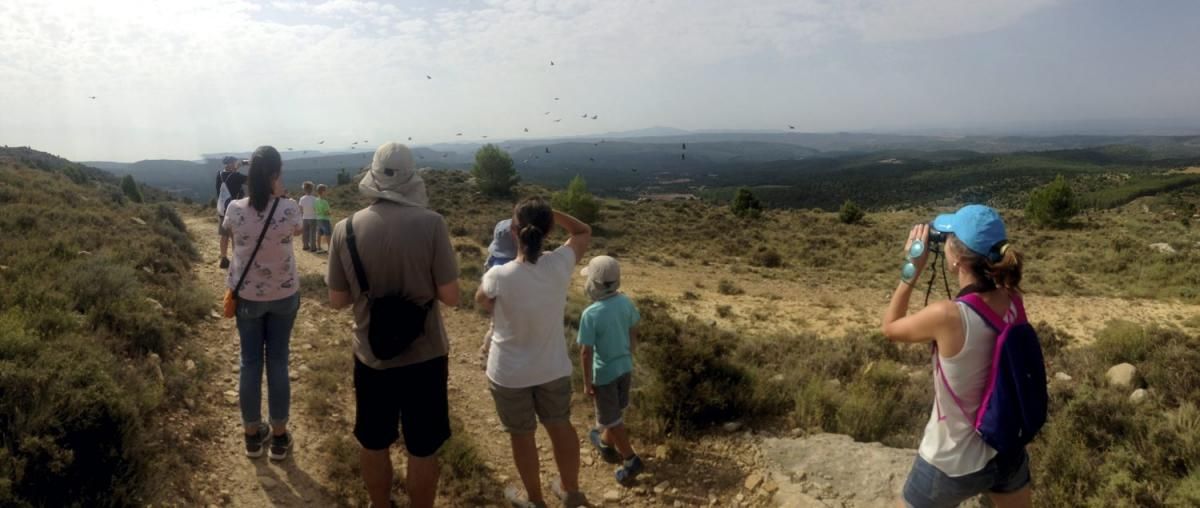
x=396, y=321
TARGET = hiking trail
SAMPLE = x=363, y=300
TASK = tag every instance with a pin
x=710, y=471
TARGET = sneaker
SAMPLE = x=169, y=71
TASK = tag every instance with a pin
x=607, y=452
x=255, y=442
x=569, y=499
x=628, y=472
x=224, y=262
x=280, y=446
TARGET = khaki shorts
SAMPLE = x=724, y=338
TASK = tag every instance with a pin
x=520, y=409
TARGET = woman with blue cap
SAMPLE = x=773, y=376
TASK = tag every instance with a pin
x=953, y=462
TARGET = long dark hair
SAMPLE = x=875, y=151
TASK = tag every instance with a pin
x=533, y=218
x=265, y=166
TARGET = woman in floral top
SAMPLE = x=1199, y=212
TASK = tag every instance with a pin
x=268, y=299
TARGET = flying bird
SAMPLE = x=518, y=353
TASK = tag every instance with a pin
x=585, y=115
x=527, y=129
x=792, y=127
x=459, y=134
x=445, y=155
x=634, y=170
x=354, y=143
x=92, y=97
x=592, y=159
x=685, y=146
x=547, y=149
x=683, y=156
x=428, y=76
x=364, y=141
x=321, y=142
x=546, y=113
x=552, y=63
x=595, y=116
x=559, y=120
x=485, y=137
x=289, y=149
x=556, y=98
x=410, y=138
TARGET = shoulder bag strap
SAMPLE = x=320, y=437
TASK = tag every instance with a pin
x=352, y=246
x=250, y=262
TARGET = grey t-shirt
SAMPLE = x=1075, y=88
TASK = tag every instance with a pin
x=404, y=250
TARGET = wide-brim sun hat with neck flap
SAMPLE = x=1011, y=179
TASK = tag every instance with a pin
x=978, y=227
x=392, y=176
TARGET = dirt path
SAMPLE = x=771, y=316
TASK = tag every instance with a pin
x=707, y=471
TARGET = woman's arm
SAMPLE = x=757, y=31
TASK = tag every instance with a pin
x=484, y=301
x=922, y=326
x=581, y=234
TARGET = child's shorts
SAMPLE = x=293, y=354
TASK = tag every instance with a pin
x=611, y=401
x=324, y=228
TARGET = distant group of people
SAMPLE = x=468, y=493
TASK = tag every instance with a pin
x=392, y=263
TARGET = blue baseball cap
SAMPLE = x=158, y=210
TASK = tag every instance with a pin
x=978, y=227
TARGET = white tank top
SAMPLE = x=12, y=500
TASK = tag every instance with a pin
x=951, y=443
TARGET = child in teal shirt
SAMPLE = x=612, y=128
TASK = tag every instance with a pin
x=324, y=225
x=607, y=331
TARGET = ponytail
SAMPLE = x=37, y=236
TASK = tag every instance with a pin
x=1005, y=272
x=533, y=219
x=531, y=242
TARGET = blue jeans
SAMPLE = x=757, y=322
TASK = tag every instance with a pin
x=265, y=329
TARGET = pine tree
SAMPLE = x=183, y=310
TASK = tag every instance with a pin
x=577, y=201
x=746, y=205
x=494, y=171
x=1052, y=205
x=131, y=190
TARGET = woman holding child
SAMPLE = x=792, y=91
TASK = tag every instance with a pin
x=528, y=367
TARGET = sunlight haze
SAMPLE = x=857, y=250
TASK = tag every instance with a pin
x=182, y=78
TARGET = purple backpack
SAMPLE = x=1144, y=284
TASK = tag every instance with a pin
x=1013, y=408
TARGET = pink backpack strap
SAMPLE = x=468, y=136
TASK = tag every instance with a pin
x=976, y=303
x=946, y=382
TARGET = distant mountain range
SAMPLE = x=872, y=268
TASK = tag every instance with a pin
x=623, y=162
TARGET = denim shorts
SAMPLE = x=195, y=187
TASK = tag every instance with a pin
x=928, y=487
x=611, y=401
x=324, y=228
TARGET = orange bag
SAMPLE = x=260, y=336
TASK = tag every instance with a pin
x=230, y=304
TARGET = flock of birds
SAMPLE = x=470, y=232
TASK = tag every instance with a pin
x=585, y=116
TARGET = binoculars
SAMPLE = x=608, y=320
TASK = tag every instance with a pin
x=936, y=239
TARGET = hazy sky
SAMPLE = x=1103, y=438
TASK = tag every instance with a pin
x=176, y=78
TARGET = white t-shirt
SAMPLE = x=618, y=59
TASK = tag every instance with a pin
x=308, y=207
x=529, y=344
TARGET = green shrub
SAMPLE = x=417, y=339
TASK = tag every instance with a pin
x=576, y=201
x=746, y=205
x=878, y=401
x=1053, y=205
x=130, y=189
x=691, y=381
x=766, y=257
x=1123, y=341
x=727, y=287
x=850, y=213
x=494, y=171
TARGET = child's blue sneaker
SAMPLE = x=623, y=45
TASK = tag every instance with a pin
x=607, y=452
x=627, y=473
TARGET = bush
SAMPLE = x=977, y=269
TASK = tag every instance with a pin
x=727, y=287
x=851, y=213
x=130, y=189
x=691, y=381
x=494, y=171
x=1052, y=205
x=746, y=205
x=576, y=200
x=766, y=257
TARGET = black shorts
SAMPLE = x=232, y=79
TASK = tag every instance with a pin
x=413, y=396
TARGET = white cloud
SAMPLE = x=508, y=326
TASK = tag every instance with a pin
x=190, y=76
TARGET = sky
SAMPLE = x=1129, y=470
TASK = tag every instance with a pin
x=179, y=78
